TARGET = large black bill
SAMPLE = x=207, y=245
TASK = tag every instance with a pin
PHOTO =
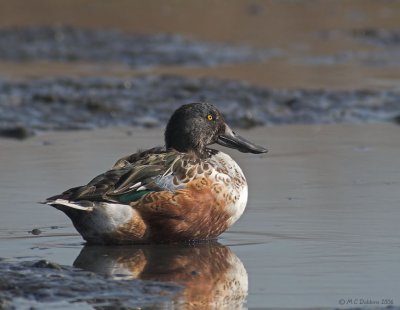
x=234, y=141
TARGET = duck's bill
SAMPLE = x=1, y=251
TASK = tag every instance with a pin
x=232, y=140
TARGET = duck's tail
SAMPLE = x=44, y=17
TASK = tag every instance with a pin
x=103, y=222
x=66, y=205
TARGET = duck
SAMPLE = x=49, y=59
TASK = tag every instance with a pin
x=184, y=191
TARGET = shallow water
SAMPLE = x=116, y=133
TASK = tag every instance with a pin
x=320, y=225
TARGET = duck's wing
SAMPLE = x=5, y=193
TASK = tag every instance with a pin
x=132, y=177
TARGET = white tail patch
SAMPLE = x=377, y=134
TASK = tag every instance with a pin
x=69, y=204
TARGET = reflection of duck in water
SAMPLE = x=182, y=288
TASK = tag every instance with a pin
x=185, y=191
x=212, y=275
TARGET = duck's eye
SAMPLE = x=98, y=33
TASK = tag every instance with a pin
x=209, y=117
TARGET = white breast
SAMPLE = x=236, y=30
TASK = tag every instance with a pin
x=231, y=177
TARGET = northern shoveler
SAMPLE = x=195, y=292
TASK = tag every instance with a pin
x=185, y=191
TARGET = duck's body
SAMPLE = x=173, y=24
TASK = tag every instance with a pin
x=160, y=195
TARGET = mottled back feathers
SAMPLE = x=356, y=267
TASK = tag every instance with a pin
x=138, y=174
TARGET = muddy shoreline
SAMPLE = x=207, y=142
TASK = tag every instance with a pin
x=43, y=284
x=71, y=44
x=147, y=101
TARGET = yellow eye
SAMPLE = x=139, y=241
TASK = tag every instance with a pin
x=209, y=117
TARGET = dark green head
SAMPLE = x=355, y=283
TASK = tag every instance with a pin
x=194, y=126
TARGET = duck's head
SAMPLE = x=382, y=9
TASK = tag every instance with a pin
x=194, y=126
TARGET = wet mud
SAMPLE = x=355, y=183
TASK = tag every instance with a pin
x=71, y=44
x=147, y=101
x=46, y=285
x=378, y=36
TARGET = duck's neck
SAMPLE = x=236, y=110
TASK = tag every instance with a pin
x=202, y=153
x=184, y=145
